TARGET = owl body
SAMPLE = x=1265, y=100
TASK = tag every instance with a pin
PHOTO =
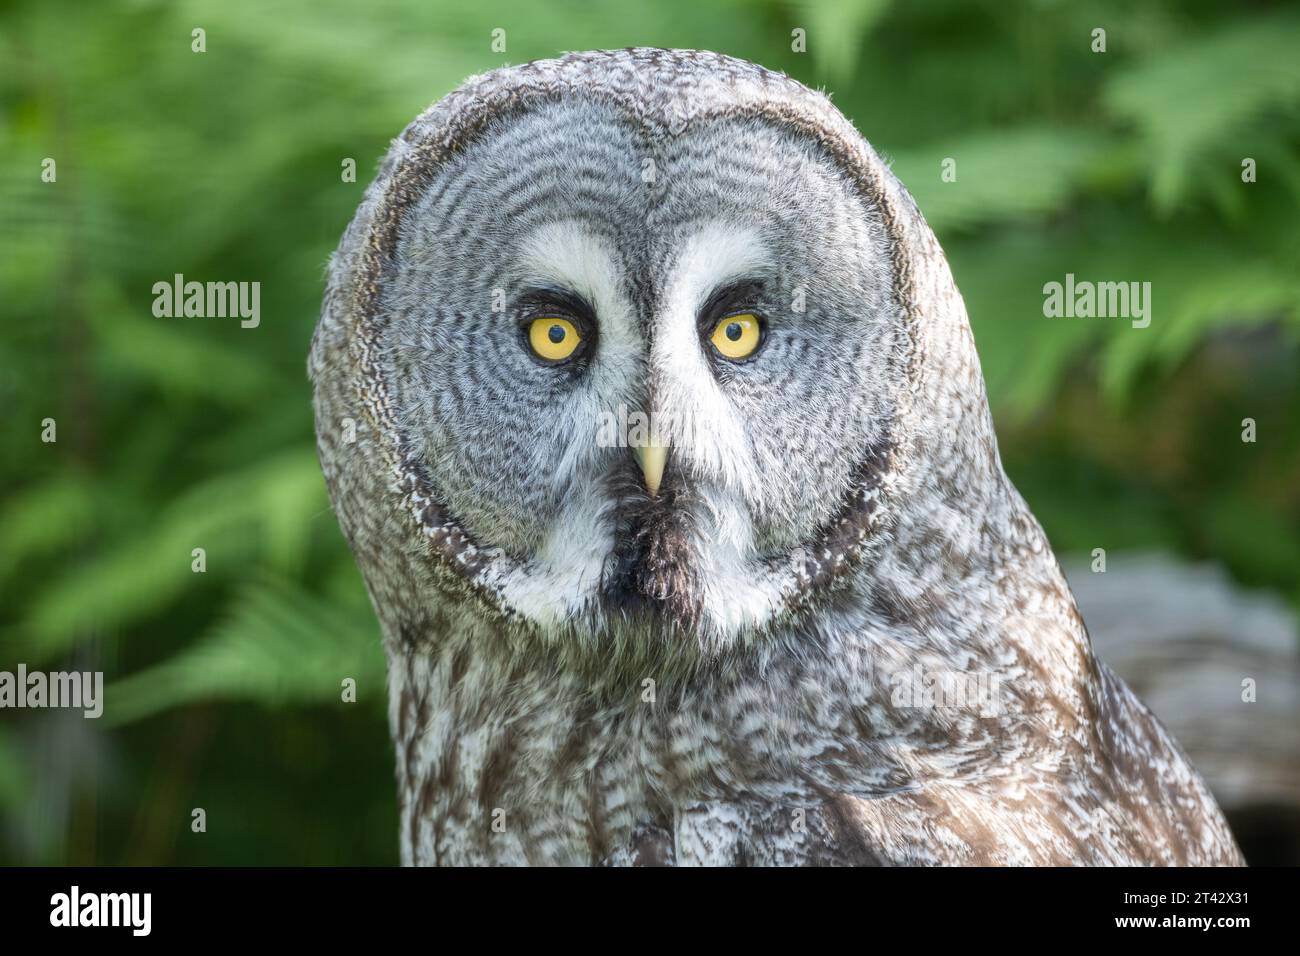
x=774, y=763
x=802, y=617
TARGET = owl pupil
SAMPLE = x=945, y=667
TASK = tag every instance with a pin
x=734, y=331
x=556, y=334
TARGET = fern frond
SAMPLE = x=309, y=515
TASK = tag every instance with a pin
x=278, y=646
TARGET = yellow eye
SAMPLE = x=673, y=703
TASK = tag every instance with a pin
x=736, y=336
x=553, y=339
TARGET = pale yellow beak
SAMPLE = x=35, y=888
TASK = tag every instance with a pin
x=652, y=456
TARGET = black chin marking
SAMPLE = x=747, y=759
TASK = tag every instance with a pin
x=650, y=571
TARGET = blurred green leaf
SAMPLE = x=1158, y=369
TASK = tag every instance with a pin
x=278, y=646
x=261, y=515
x=15, y=774
x=835, y=32
x=1012, y=174
x=1192, y=98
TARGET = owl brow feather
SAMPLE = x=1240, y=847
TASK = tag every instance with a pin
x=539, y=299
x=737, y=295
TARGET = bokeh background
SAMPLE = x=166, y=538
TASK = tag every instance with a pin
x=223, y=688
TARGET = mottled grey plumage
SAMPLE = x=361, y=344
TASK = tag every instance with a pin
x=834, y=529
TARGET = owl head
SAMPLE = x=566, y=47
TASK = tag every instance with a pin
x=639, y=342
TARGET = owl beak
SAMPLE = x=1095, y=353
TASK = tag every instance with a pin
x=652, y=457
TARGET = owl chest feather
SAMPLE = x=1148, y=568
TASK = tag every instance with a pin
x=512, y=768
x=502, y=765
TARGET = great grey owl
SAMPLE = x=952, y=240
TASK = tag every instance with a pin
x=797, y=614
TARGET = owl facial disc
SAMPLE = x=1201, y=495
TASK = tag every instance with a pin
x=534, y=263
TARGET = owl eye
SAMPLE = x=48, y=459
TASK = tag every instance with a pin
x=553, y=339
x=737, y=336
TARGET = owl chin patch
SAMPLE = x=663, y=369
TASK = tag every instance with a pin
x=650, y=572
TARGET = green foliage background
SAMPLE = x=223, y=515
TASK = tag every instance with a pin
x=181, y=433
